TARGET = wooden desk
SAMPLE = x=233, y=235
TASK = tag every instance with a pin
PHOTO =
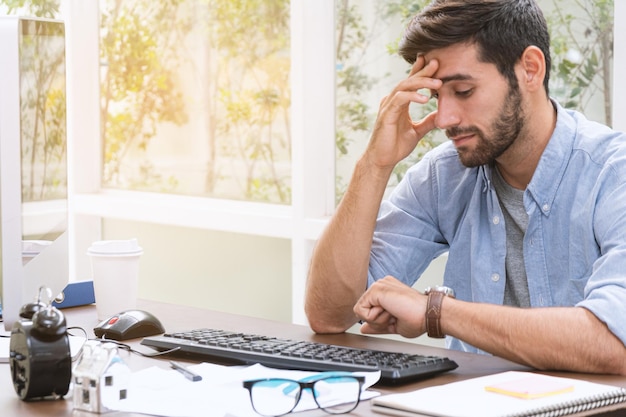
x=181, y=318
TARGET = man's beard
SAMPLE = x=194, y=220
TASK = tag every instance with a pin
x=505, y=129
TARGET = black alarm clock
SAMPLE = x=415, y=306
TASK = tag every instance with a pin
x=40, y=356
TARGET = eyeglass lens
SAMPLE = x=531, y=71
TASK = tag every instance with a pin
x=276, y=397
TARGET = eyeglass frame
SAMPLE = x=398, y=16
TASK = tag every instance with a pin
x=307, y=383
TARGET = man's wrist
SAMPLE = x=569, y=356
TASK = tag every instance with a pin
x=433, y=310
x=381, y=173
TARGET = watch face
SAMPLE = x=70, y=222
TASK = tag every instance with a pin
x=440, y=288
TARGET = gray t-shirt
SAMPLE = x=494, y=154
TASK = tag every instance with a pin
x=516, y=221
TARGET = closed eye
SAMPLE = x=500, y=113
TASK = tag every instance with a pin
x=464, y=93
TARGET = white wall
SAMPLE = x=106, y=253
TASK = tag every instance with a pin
x=236, y=273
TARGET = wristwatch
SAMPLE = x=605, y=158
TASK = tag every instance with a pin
x=433, y=309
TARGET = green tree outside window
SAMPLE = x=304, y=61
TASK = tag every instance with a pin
x=217, y=72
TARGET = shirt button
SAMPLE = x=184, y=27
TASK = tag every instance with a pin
x=545, y=207
x=496, y=220
x=495, y=277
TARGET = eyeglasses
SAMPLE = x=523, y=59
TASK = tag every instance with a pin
x=335, y=394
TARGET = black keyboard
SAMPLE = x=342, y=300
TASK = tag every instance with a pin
x=242, y=348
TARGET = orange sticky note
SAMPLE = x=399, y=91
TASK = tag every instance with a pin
x=535, y=386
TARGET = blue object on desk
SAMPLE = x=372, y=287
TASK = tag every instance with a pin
x=76, y=294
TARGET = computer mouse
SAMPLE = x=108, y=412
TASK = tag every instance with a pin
x=129, y=324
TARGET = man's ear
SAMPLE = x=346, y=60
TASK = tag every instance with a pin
x=533, y=68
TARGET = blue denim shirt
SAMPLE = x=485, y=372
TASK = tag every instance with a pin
x=575, y=244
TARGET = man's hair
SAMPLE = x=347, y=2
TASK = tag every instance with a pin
x=501, y=29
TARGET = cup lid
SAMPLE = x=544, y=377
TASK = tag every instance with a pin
x=115, y=248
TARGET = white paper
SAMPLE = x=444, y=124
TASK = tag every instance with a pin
x=166, y=392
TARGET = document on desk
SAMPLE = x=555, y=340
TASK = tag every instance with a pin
x=220, y=393
x=513, y=393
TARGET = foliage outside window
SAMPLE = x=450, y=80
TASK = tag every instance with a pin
x=42, y=102
x=43, y=112
x=581, y=33
x=42, y=118
x=195, y=93
x=195, y=97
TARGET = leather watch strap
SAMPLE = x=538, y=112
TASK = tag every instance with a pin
x=433, y=314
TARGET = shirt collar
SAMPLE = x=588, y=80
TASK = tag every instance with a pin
x=553, y=162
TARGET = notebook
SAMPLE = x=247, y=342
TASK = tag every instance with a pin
x=507, y=394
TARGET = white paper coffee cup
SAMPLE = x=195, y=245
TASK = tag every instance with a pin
x=115, y=273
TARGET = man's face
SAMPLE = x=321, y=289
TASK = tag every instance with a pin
x=480, y=112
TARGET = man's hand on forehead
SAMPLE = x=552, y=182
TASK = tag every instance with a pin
x=421, y=77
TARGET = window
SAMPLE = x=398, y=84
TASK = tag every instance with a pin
x=195, y=98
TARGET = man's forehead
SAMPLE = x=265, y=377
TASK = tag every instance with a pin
x=458, y=61
x=460, y=48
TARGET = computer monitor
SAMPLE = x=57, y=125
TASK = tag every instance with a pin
x=33, y=162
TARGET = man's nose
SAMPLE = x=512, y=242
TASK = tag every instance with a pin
x=448, y=114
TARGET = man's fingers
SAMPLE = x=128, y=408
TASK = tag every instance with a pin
x=418, y=65
x=427, y=68
x=424, y=69
x=388, y=327
x=369, y=313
